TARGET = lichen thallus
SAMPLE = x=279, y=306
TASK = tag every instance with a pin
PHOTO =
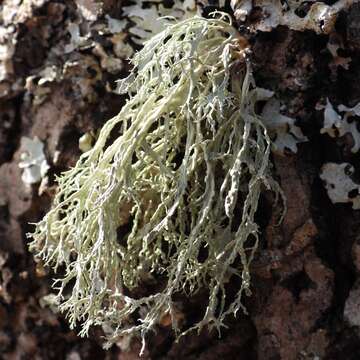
x=185, y=172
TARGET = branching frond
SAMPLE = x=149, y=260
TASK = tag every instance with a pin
x=183, y=164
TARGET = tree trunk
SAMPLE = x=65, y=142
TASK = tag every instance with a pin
x=59, y=62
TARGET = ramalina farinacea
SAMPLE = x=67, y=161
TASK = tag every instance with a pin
x=183, y=165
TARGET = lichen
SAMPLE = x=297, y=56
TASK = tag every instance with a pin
x=284, y=133
x=339, y=183
x=295, y=14
x=336, y=125
x=33, y=161
x=181, y=167
x=152, y=18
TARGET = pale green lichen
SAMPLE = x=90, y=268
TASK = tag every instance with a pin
x=185, y=150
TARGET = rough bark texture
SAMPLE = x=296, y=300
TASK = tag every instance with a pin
x=306, y=285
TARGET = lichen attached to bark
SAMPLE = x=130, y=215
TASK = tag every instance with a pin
x=183, y=165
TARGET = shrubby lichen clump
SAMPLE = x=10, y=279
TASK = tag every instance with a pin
x=181, y=167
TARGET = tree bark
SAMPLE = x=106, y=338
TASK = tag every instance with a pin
x=59, y=62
